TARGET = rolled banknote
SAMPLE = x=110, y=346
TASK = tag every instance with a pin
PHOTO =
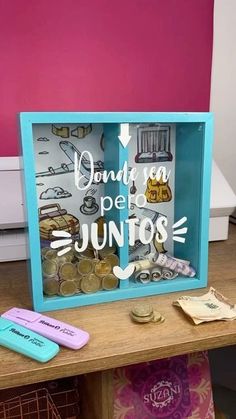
x=208, y=307
x=174, y=264
x=143, y=276
x=156, y=274
x=168, y=274
x=143, y=264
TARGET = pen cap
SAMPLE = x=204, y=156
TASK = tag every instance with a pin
x=26, y=342
x=4, y=324
x=21, y=316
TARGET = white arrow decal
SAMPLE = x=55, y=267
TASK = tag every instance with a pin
x=123, y=273
x=124, y=136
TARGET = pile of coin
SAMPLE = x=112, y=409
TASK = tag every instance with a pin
x=74, y=273
x=144, y=313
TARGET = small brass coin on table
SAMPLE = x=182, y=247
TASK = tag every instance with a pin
x=85, y=266
x=144, y=313
x=142, y=310
x=67, y=288
x=109, y=282
x=158, y=318
x=90, y=283
x=67, y=271
x=139, y=319
x=112, y=259
x=51, y=286
x=49, y=267
x=102, y=268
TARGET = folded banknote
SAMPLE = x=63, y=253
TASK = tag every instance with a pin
x=208, y=307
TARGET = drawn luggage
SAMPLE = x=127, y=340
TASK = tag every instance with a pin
x=53, y=217
x=158, y=191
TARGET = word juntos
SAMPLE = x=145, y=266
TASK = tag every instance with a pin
x=116, y=232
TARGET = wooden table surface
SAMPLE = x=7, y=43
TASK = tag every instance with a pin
x=115, y=340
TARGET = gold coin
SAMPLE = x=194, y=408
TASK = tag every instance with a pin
x=67, y=288
x=78, y=291
x=80, y=243
x=90, y=246
x=158, y=318
x=50, y=286
x=95, y=261
x=102, y=268
x=107, y=250
x=68, y=271
x=85, y=266
x=69, y=256
x=88, y=253
x=61, y=259
x=113, y=260
x=49, y=267
x=109, y=282
x=44, y=250
x=77, y=277
x=100, y=287
x=139, y=319
x=51, y=254
x=142, y=310
x=90, y=284
x=77, y=281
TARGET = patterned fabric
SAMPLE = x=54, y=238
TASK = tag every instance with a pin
x=172, y=388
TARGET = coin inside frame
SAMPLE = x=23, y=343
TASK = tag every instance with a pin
x=110, y=282
x=85, y=266
x=90, y=284
x=67, y=288
x=67, y=271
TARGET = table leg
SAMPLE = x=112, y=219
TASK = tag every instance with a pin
x=96, y=394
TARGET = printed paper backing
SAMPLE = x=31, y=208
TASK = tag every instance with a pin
x=163, y=208
x=60, y=188
x=172, y=388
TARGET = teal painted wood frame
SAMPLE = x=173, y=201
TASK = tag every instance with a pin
x=194, y=135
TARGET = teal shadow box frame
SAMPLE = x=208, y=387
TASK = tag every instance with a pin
x=194, y=135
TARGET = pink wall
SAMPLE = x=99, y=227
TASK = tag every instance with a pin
x=123, y=55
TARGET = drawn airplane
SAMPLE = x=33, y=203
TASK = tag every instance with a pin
x=85, y=168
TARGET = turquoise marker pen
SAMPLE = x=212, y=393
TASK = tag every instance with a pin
x=19, y=339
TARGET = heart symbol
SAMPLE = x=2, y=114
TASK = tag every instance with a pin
x=123, y=273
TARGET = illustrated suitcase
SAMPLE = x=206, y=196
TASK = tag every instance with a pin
x=53, y=217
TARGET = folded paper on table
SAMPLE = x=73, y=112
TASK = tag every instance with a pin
x=208, y=307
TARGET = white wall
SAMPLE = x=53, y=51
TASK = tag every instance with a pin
x=223, y=88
